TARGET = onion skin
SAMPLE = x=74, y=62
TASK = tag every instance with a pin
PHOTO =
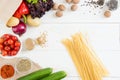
x=20, y=29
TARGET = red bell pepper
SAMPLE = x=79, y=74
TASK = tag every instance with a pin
x=22, y=10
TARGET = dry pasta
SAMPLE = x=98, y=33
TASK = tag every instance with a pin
x=87, y=63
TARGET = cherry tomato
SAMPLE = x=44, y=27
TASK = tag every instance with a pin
x=13, y=53
x=17, y=48
x=10, y=41
x=4, y=53
x=14, y=38
x=6, y=36
x=1, y=46
x=6, y=43
x=9, y=53
x=12, y=46
x=7, y=48
x=1, y=40
x=17, y=43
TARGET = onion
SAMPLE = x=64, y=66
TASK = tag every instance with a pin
x=19, y=29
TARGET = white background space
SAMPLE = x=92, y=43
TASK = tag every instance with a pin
x=102, y=33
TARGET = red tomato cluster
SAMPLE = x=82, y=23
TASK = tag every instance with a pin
x=9, y=45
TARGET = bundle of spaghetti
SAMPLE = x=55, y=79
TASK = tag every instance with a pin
x=87, y=63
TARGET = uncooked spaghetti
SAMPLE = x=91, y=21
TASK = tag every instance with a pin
x=87, y=63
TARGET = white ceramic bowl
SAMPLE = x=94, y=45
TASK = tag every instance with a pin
x=8, y=57
x=6, y=63
x=20, y=58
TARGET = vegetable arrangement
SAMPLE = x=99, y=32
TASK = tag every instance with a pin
x=44, y=74
x=29, y=12
x=9, y=45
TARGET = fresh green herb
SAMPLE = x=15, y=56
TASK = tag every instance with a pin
x=32, y=1
x=45, y=1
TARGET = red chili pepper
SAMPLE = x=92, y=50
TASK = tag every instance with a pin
x=22, y=10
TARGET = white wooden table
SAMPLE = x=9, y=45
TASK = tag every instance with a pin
x=102, y=33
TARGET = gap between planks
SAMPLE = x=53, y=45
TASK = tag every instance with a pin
x=81, y=23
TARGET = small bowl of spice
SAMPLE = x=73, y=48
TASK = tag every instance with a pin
x=7, y=72
x=23, y=65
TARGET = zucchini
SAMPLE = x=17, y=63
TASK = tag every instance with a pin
x=55, y=76
x=37, y=74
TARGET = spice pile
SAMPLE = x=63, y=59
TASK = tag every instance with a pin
x=7, y=71
x=23, y=65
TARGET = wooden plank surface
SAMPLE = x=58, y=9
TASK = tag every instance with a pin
x=103, y=34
